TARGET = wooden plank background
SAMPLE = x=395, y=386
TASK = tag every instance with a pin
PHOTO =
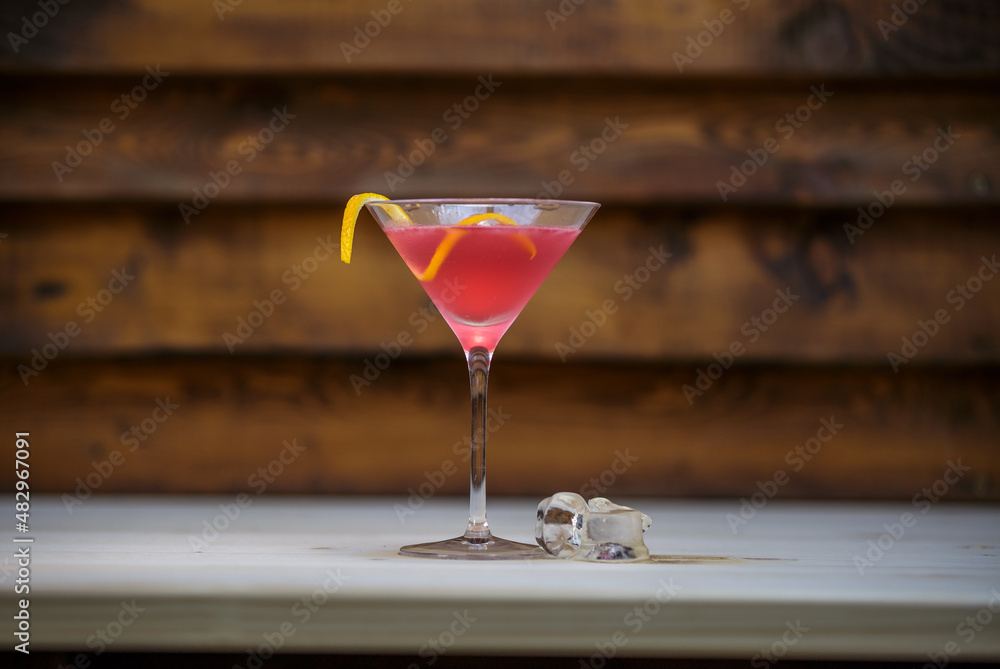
x=850, y=302
x=154, y=98
x=639, y=434
x=674, y=144
x=758, y=38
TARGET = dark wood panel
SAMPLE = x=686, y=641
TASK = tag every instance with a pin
x=609, y=140
x=193, y=285
x=731, y=37
x=210, y=425
x=717, y=291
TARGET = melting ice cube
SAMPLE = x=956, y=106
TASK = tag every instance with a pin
x=567, y=526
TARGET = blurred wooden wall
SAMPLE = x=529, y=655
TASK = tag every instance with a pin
x=116, y=115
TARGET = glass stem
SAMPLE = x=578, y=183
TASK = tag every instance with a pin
x=479, y=371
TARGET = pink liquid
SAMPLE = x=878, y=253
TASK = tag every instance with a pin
x=487, y=277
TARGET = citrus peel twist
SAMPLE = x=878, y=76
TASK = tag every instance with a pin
x=449, y=241
x=351, y=212
x=353, y=209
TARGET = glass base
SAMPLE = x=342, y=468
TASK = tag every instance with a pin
x=462, y=548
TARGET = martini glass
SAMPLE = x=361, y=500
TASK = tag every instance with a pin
x=480, y=261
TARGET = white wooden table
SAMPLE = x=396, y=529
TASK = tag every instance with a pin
x=323, y=575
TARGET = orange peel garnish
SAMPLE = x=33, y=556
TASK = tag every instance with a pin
x=351, y=213
x=450, y=239
x=353, y=210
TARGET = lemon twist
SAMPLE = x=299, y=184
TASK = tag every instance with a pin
x=353, y=210
x=351, y=213
x=444, y=248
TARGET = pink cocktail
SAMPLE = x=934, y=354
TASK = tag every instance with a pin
x=480, y=261
x=488, y=276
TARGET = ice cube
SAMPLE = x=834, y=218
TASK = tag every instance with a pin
x=559, y=524
x=568, y=527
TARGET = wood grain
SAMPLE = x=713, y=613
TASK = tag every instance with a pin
x=626, y=429
x=170, y=170
x=193, y=285
x=641, y=142
x=762, y=38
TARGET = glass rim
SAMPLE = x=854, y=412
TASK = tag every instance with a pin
x=483, y=201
